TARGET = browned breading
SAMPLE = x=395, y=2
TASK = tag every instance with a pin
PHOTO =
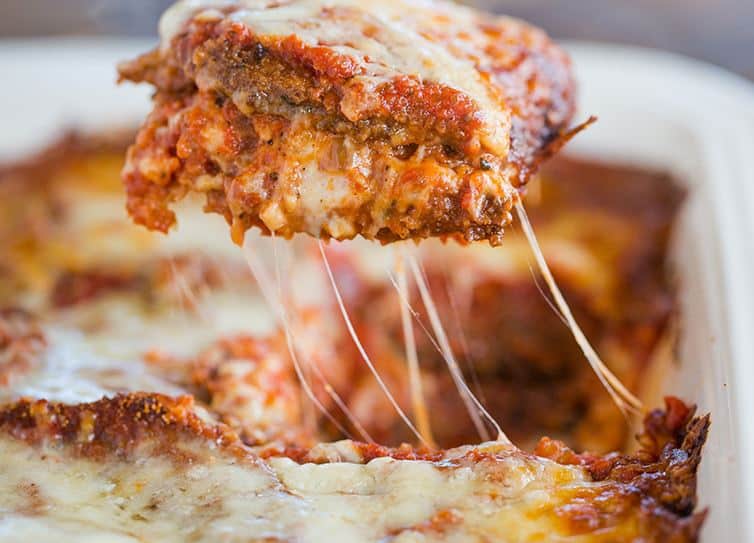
x=663, y=469
x=113, y=427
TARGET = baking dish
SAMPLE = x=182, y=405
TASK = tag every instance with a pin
x=697, y=121
x=655, y=109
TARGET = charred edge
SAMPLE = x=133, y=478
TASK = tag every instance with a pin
x=664, y=468
x=551, y=148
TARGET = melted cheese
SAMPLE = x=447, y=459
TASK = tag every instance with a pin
x=98, y=348
x=389, y=40
x=218, y=497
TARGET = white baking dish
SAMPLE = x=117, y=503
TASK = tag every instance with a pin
x=698, y=122
x=654, y=108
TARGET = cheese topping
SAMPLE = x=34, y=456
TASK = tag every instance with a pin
x=391, y=40
x=98, y=348
x=218, y=497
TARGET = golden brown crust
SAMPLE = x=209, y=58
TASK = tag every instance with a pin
x=665, y=465
x=670, y=445
x=413, y=149
x=661, y=476
x=113, y=427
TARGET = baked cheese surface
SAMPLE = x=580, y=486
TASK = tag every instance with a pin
x=221, y=498
x=387, y=39
x=145, y=467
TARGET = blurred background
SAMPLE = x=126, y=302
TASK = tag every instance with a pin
x=718, y=31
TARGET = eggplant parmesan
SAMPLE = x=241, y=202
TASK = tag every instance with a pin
x=72, y=265
x=146, y=393
x=343, y=118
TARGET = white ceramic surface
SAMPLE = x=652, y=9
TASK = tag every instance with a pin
x=654, y=108
x=698, y=122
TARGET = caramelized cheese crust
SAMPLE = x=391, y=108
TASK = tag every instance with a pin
x=112, y=427
x=346, y=118
x=173, y=476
